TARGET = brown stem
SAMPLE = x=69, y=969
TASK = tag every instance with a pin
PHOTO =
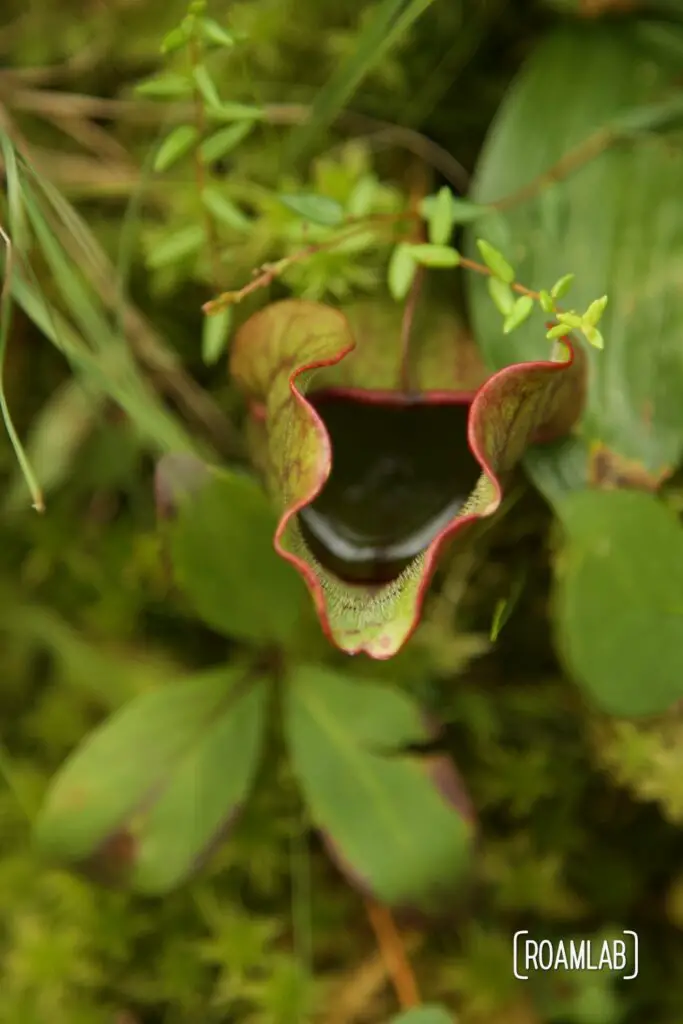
x=576, y=157
x=481, y=268
x=407, y=328
x=394, y=955
x=270, y=271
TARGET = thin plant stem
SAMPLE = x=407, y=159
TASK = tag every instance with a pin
x=394, y=955
x=194, y=51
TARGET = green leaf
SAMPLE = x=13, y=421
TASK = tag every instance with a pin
x=206, y=85
x=401, y=271
x=18, y=237
x=388, y=820
x=502, y=295
x=177, y=246
x=175, y=146
x=225, y=140
x=571, y=320
x=443, y=211
x=616, y=221
x=212, y=32
x=558, y=331
x=520, y=312
x=317, y=209
x=167, y=86
x=547, y=301
x=464, y=212
x=390, y=21
x=223, y=557
x=424, y=1014
x=271, y=357
x=561, y=287
x=593, y=314
x=495, y=261
x=176, y=39
x=223, y=210
x=593, y=336
x=619, y=600
x=439, y=216
x=147, y=795
x=435, y=255
x=56, y=436
x=215, y=334
x=236, y=112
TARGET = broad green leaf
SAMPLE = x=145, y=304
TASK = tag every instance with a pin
x=148, y=794
x=424, y=1014
x=317, y=209
x=225, y=140
x=175, y=146
x=223, y=557
x=404, y=832
x=614, y=219
x=272, y=358
x=619, y=600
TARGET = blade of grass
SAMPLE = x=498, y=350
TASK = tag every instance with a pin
x=16, y=224
x=393, y=18
x=91, y=342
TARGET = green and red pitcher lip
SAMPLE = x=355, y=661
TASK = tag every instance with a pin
x=274, y=360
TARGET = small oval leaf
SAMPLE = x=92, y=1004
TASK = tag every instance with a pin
x=175, y=146
x=225, y=140
x=177, y=247
x=317, y=209
x=521, y=311
x=224, y=210
x=215, y=334
x=206, y=85
x=169, y=86
x=435, y=255
x=401, y=271
x=495, y=261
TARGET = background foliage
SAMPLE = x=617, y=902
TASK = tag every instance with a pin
x=579, y=814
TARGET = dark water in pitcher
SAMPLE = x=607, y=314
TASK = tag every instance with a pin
x=400, y=473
